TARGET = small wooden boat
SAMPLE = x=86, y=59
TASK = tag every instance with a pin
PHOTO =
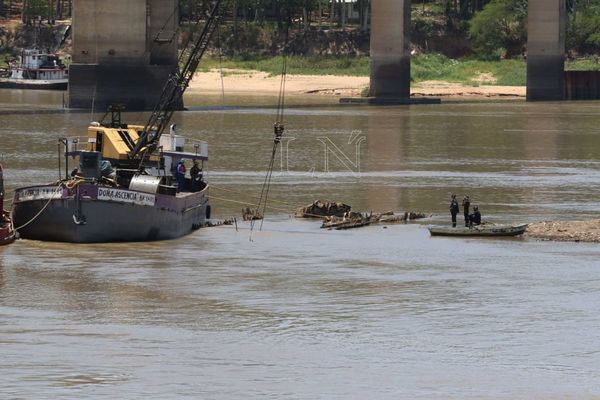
x=478, y=231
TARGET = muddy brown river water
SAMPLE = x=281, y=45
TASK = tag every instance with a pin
x=300, y=313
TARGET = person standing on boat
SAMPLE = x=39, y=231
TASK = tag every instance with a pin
x=454, y=210
x=475, y=218
x=180, y=174
x=466, y=203
x=196, y=176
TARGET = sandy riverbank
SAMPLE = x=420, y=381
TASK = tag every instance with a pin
x=566, y=231
x=261, y=83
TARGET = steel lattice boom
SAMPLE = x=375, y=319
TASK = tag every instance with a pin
x=178, y=81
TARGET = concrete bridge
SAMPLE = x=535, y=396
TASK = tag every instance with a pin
x=123, y=51
x=390, y=50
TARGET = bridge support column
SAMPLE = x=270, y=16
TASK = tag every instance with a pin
x=123, y=52
x=390, y=50
x=546, y=49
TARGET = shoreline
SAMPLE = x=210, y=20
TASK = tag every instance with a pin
x=247, y=82
x=566, y=231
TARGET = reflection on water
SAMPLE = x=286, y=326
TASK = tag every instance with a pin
x=303, y=313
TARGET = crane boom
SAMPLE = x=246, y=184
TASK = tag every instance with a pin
x=176, y=84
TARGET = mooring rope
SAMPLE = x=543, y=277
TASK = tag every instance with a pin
x=53, y=197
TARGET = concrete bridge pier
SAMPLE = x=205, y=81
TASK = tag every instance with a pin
x=390, y=50
x=390, y=55
x=546, y=50
x=123, y=52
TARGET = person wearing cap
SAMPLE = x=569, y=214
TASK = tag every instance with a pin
x=454, y=210
x=466, y=203
x=475, y=218
x=180, y=174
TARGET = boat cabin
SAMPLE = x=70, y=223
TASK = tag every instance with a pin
x=41, y=66
x=107, y=151
x=116, y=143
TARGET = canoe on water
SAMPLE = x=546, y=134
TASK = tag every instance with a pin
x=478, y=231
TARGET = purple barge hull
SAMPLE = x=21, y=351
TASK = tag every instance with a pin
x=101, y=214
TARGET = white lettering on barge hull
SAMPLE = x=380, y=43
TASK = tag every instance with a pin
x=39, y=193
x=125, y=196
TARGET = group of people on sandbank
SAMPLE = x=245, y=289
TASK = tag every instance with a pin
x=471, y=220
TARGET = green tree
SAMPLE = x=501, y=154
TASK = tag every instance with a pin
x=33, y=9
x=583, y=29
x=499, y=28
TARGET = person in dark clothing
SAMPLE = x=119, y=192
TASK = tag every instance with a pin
x=475, y=218
x=454, y=210
x=196, y=176
x=466, y=203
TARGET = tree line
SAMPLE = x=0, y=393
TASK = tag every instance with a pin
x=36, y=10
x=495, y=28
x=287, y=13
x=500, y=28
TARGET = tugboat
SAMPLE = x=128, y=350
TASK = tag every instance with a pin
x=7, y=233
x=37, y=70
x=129, y=184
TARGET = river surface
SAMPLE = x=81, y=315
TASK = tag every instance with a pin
x=295, y=312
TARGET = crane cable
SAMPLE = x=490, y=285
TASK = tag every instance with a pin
x=278, y=129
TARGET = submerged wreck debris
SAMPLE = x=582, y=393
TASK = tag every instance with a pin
x=320, y=209
x=418, y=215
x=566, y=231
x=356, y=220
x=339, y=215
x=211, y=223
x=350, y=220
x=250, y=214
x=402, y=218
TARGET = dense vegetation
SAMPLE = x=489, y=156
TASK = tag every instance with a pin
x=330, y=36
x=32, y=10
x=495, y=28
